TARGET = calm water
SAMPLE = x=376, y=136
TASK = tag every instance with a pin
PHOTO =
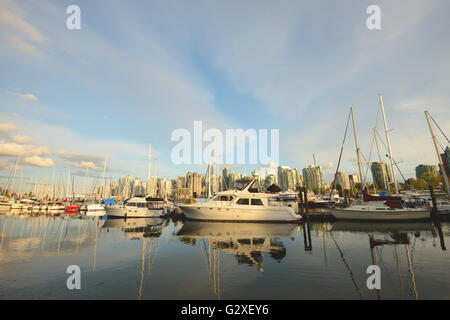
x=161, y=259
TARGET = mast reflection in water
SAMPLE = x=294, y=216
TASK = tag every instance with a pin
x=161, y=259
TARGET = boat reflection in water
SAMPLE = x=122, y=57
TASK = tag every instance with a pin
x=246, y=241
x=137, y=228
x=147, y=229
x=394, y=235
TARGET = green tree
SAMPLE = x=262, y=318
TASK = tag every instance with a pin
x=419, y=184
x=431, y=178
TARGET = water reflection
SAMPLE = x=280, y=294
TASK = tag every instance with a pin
x=395, y=235
x=146, y=229
x=150, y=258
x=247, y=242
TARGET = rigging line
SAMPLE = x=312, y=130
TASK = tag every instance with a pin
x=383, y=264
x=368, y=163
x=347, y=266
x=204, y=254
x=438, y=127
x=440, y=145
x=340, y=155
x=396, y=165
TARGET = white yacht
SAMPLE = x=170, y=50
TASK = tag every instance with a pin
x=27, y=204
x=244, y=203
x=5, y=204
x=95, y=209
x=137, y=207
x=381, y=208
x=56, y=207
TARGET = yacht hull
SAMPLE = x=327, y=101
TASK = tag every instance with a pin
x=387, y=215
x=124, y=212
x=272, y=214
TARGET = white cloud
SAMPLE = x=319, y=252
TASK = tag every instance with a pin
x=20, y=150
x=22, y=139
x=8, y=127
x=39, y=161
x=83, y=164
x=24, y=96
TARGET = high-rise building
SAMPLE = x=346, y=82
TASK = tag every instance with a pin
x=381, y=174
x=288, y=178
x=226, y=179
x=165, y=188
x=152, y=187
x=270, y=180
x=313, y=178
x=180, y=182
x=233, y=178
x=261, y=177
x=343, y=180
x=194, y=183
x=354, y=179
x=422, y=168
x=138, y=188
x=126, y=186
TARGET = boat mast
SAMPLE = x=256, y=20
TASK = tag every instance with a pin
x=149, y=170
x=385, y=179
x=14, y=177
x=441, y=164
x=388, y=145
x=68, y=185
x=358, y=156
x=104, y=181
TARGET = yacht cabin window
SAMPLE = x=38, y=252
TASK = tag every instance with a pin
x=243, y=201
x=222, y=198
x=257, y=202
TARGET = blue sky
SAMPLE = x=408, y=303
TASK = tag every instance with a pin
x=137, y=70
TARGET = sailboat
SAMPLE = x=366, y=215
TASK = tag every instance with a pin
x=379, y=208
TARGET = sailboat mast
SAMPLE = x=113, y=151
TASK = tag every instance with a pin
x=358, y=156
x=68, y=185
x=389, y=145
x=379, y=157
x=14, y=177
x=149, y=170
x=441, y=164
x=104, y=181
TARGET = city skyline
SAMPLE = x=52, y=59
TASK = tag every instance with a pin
x=130, y=77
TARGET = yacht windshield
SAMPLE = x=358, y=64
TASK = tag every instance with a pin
x=241, y=184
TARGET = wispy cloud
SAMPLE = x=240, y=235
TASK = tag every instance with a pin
x=17, y=32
